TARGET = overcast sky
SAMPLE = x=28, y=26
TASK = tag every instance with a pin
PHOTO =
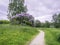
x=40, y=9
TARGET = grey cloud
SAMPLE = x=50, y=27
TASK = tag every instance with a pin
x=51, y=4
x=43, y=8
x=3, y=9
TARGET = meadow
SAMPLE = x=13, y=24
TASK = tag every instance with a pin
x=52, y=36
x=16, y=34
x=22, y=35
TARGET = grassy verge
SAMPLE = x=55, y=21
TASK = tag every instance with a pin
x=52, y=36
x=16, y=34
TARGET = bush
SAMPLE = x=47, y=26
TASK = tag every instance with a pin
x=28, y=23
x=58, y=38
x=4, y=22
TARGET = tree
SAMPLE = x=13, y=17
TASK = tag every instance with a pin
x=23, y=18
x=17, y=13
x=56, y=20
x=37, y=23
x=47, y=24
x=16, y=7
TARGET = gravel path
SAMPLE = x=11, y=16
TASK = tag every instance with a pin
x=39, y=39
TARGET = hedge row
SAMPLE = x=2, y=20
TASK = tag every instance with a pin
x=4, y=22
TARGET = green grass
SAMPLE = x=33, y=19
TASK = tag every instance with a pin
x=16, y=34
x=52, y=36
x=21, y=35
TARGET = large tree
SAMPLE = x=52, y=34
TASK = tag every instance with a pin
x=16, y=7
x=56, y=20
x=17, y=13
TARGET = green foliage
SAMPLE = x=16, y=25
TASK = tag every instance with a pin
x=23, y=18
x=16, y=34
x=47, y=24
x=16, y=7
x=4, y=22
x=52, y=36
x=58, y=37
x=37, y=23
x=28, y=23
x=56, y=20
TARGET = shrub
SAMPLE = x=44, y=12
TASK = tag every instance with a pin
x=4, y=22
x=58, y=37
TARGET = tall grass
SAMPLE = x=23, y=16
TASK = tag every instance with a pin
x=51, y=36
x=16, y=34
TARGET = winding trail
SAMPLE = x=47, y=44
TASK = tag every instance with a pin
x=39, y=39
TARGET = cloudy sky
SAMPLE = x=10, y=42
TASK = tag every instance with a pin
x=40, y=9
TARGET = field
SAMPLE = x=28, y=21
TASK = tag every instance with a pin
x=16, y=34
x=52, y=36
x=21, y=35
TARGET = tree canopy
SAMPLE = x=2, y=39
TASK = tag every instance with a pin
x=56, y=20
x=16, y=7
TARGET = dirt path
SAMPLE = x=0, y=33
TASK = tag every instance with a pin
x=39, y=40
